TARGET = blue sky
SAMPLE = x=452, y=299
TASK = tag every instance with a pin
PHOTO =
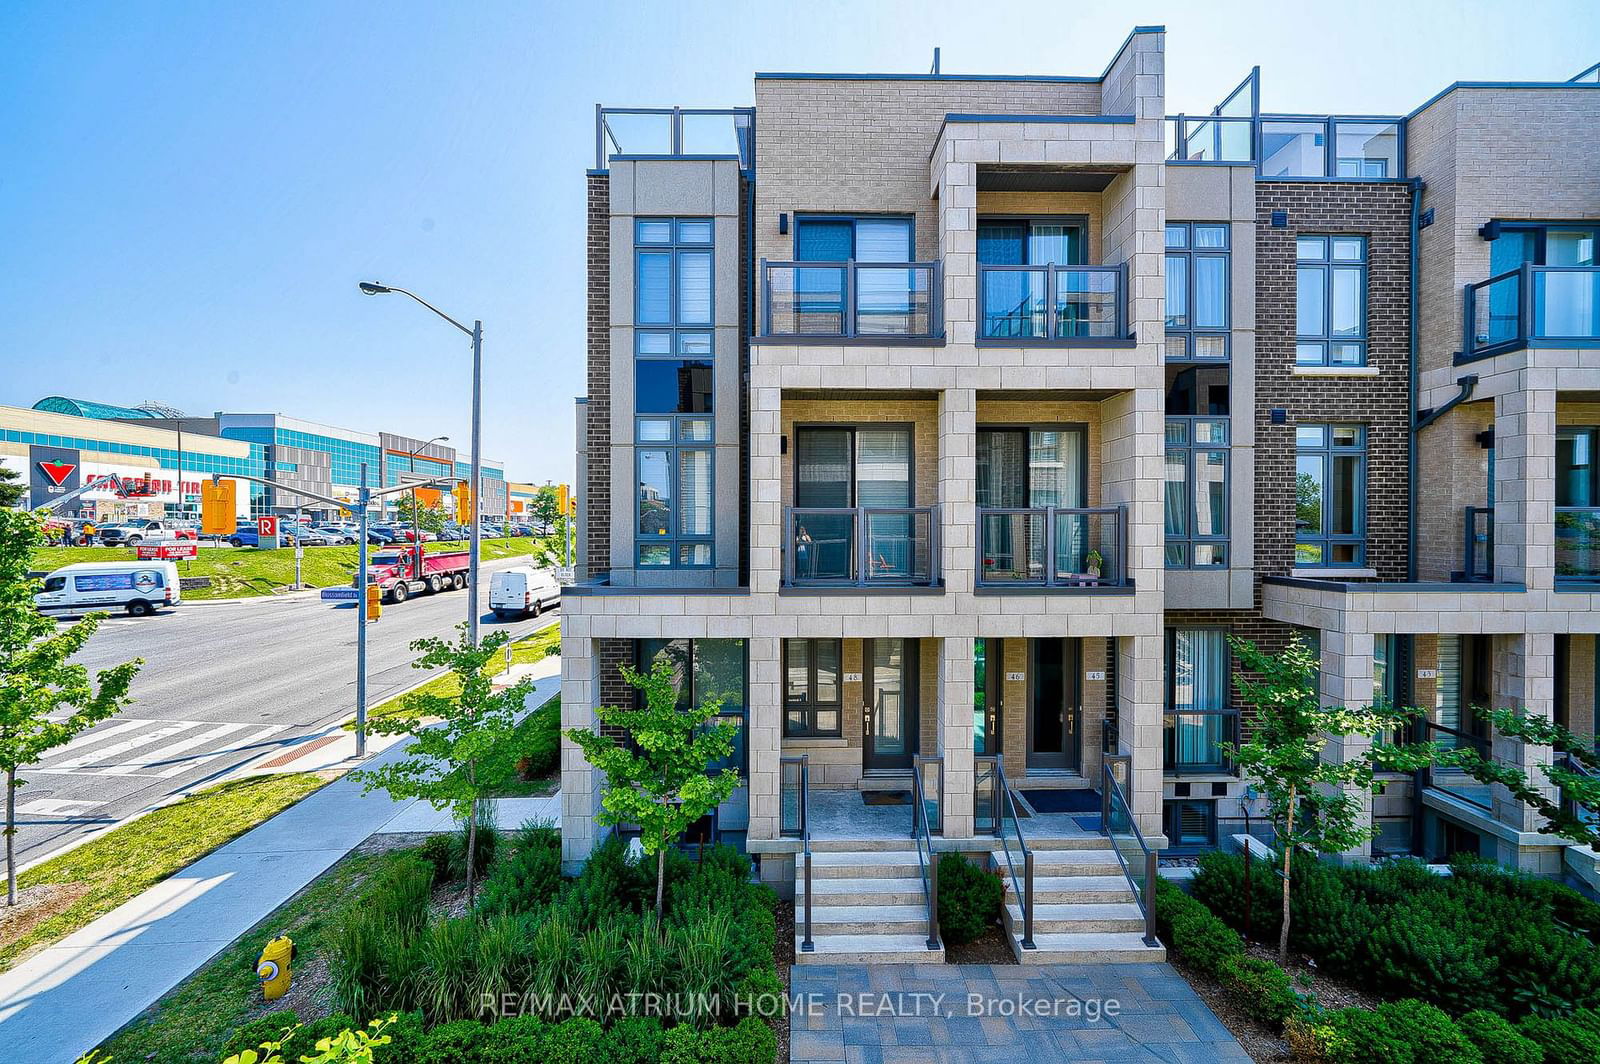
x=189, y=192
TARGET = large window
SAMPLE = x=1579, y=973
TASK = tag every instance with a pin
x=839, y=468
x=1198, y=712
x=705, y=669
x=1330, y=495
x=675, y=495
x=673, y=391
x=1330, y=301
x=811, y=692
x=1195, y=501
x=863, y=239
x=1197, y=290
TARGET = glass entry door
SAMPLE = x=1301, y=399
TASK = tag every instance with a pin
x=1054, y=705
x=889, y=717
x=988, y=667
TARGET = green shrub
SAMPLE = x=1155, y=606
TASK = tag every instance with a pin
x=456, y=1042
x=1399, y=1032
x=515, y=1040
x=1197, y=938
x=445, y=950
x=1263, y=989
x=751, y=1041
x=542, y=752
x=1564, y=1041
x=406, y=1035
x=705, y=964
x=268, y=1028
x=1218, y=884
x=610, y=884
x=527, y=880
x=969, y=899
x=435, y=850
x=633, y=1040
x=484, y=849
x=575, y=1041
x=1497, y=1040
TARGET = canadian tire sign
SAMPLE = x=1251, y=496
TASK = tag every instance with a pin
x=52, y=471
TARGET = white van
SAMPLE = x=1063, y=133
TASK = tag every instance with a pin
x=138, y=587
x=523, y=591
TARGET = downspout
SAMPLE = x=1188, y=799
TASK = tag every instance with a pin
x=1412, y=386
x=1467, y=384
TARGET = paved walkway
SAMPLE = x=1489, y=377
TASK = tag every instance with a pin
x=956, y=1014
x=68, y=998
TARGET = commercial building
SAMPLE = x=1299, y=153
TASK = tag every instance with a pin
x=291, y=452
x=947, y=428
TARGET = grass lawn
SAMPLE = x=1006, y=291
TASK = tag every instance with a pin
x=246, y=572
x=122, y=863
x=544, y=785
x=536, y=647
x=195, y=1020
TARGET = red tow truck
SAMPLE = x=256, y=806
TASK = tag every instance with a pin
x=402, y=572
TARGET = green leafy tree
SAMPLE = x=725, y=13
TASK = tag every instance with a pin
x=37, y=679
x=411, y=512
x=660, y=777
x=346, y=1047
x=1578, y=777
x=1311, y=800
x=12, y=489
x=456, y=762
x=546, y=508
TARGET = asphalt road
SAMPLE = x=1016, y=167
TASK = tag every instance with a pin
x=224, y=684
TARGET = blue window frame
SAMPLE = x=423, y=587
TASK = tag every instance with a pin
x=1330, y=496
x=676, y=492
x=1330, y=300
x=706, y=669
x=863, y=238
x=674, y=301
x=1198, y=290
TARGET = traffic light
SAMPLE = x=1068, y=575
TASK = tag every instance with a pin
x=463, y=502
x=375, y=601
x=563, y=499
x=218, y=507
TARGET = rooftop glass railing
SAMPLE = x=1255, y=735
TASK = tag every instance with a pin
x=674, y=132
x=1541, y=305
x=1289, y=146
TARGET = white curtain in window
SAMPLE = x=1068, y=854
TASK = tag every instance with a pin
x=1200, y=687
x=883, y=467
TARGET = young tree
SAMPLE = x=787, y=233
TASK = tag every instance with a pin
x=1574, y=820
x=546, y=508
x=37, y=680
x=456, y=762
x=409, y=511
x=12, y=489
x=660, y=778
x=1311, y=800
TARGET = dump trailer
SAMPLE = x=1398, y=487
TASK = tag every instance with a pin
x=407, y=571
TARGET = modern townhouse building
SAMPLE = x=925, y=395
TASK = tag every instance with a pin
x=945, y=426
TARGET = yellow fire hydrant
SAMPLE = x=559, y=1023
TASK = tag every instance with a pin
x=273, y=967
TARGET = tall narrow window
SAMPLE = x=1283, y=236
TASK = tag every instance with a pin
x=811, y=688
x=1330, y=495
x=1330, y=301
x=1195, y=503
x=1197, y=290
x=1198, y=712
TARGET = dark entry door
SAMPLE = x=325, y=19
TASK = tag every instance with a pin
x=889, y=718
x=1053, y=705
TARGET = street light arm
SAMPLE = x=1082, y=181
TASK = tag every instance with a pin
x=430, y=306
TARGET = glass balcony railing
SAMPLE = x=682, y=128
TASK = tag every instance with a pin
x=1453, y=780
x=1578, y=543
x=1052, y=547
x=674, y=132
x=1191, y=741
x=862, y=546
x=852, y=300
x=1211, y=140
x=1052, y=304
x=1553, y=305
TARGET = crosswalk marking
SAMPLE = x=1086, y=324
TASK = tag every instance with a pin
x=101, y=753
x=131, y=768
x=99, y=735
x=56, y=807
x=243, y=744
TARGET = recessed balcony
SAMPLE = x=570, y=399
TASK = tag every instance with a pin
x=861, y=546
x=1053, y=305
x=1060, y=548
x=852, y=302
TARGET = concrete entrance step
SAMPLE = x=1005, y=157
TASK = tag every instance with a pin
x=1068, y=863
x=868, y=919
x=888, y=844
x=1049, y=890
x=1092, y=947
x=872, y=891
x=858, y=864
x=1090, y=917
x=868, y=949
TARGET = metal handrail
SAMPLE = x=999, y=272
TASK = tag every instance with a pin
x=1525, y=317
x=1052, y=298
x=1114, y=572
x=861, y=560
x=1146, y=894
x=923, y=835
x=848, y=303
x=1006, y=805
x=804, y=761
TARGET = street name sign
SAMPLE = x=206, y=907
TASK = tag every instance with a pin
x=340, y=594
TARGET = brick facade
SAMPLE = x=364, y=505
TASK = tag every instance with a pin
x=1382, y=214
x=597, y=492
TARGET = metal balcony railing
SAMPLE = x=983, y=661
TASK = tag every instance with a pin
x=1052, y=546
x=1191, y=741
x=1052, y=304
x=852, y=300
x=1213, y=139
x=1578, y=543
x=864, y=546
x=1547, y=305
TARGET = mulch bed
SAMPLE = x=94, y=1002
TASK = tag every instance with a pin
x=991, y=947
x=34, y=906
x=1265, y=1045
x=785, y=957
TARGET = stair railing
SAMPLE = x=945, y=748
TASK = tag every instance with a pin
x=1117, y=823
x=1005, y=809
x=922, y=833
x=803, y=830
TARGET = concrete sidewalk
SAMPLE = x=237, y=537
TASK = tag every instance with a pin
x=70, y=997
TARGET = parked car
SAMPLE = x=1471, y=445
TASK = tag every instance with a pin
x=340, y=536
x=384, y=534
x=312, y=537
x=138, y=587
x=128, y=533
x=246, y=535
x=523, y=591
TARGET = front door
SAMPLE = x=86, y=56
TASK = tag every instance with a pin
x=988, y=664
x=1053, y=705
x=889, y=716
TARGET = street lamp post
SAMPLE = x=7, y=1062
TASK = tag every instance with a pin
x=372, y=288
x=416, y=518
